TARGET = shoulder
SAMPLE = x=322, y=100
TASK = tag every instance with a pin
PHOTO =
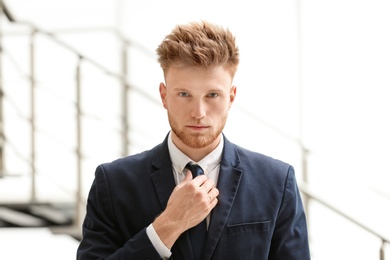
x=242, y=157
x=147, y=161
x=258, y=167
x=259, y=159
x=275, y=176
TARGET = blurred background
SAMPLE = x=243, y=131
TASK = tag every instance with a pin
x=79, y=87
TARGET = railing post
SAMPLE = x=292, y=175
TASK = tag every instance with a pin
x=32, y=115
x=125, y=97
x=79, y=192
x=382, y=251
x=304, y=151
x=2, y=135
x=305, y=174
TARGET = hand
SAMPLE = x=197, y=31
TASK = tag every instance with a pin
x=190, y=202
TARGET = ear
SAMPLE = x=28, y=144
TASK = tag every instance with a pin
x=163, y=94
x=233, y=90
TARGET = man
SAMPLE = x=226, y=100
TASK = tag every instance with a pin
x=147, y=205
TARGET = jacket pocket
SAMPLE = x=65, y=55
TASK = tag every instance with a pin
x=254, y=227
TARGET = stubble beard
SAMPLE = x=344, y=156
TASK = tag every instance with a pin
x=195, y=140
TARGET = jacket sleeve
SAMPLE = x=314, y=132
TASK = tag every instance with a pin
x=102, y=238
x=290, y=238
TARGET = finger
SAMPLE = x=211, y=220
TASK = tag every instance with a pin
x=213, y=193
x=200, y=180
x=207, y=185
x=213, y=202
x=188, y=176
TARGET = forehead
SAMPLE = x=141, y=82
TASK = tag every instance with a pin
x=187, y=76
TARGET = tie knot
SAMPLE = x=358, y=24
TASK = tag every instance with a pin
x=195, y=169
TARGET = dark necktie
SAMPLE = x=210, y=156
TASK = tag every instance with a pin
x=197, y=233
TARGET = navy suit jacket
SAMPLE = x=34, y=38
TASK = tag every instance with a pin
x=259, y=214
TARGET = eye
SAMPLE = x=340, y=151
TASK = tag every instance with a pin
x=213, y=95
x=183, y=94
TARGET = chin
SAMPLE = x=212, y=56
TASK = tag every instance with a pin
x=198, y=141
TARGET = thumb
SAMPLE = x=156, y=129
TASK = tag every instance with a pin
x=188, y=177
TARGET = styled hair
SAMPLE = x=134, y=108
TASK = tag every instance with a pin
x=200, y=44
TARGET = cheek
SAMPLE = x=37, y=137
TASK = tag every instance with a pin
x=176, y=110
x=169, y=103
x=171, y=106
x=222, y=109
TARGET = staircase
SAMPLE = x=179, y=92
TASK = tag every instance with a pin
x=40, y=215
x=47, y=107
x=61, y=114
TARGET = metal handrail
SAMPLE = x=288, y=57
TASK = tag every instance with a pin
x=310, y=194
x=305, y=188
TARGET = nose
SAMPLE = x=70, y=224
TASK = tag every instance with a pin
x=198, y=109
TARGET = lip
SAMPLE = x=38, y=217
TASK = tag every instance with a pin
x=197, y=127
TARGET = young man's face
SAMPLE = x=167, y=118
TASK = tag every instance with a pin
x=197, y=102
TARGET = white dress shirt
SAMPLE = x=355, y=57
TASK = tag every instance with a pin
x=210, y=165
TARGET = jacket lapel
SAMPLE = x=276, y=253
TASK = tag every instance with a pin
x=162, y=177
x=164, y=183
x=228, y=184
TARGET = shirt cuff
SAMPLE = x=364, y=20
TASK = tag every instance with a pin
x=164, y=252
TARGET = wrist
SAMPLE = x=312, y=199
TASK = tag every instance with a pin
x=167, y=230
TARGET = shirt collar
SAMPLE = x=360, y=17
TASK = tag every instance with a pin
x=179, y=159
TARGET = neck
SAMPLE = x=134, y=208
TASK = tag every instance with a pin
x=195, y=154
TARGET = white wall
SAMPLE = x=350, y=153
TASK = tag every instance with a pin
x=312, y=69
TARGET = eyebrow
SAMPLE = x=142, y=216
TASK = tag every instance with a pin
x=208, y=91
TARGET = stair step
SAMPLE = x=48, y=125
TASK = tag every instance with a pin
x=57, y=216
x=19, y=218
